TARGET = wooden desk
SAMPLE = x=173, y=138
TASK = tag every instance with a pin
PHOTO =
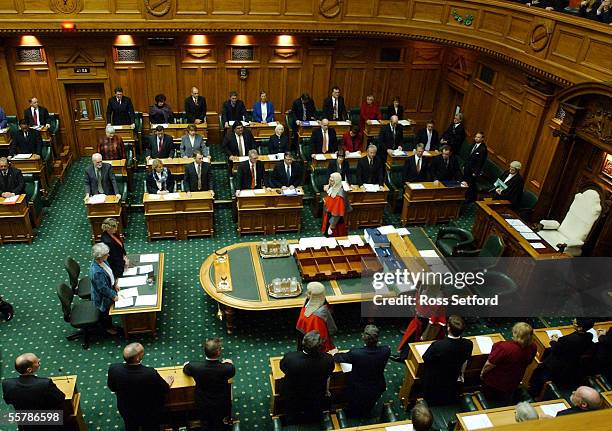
x=73, y=415
x=96, y=213
x=542, y=340
x=45, y=133
x=175, y=165
x=431, y=204
x=143, y=319
x=268, y=212
x=179, y=218
x=373, y=130
x=598, y=420
x=119, y=167
x=505, y=415
x=339, y=126
x=260, y=131
x=316, y=163
x=607, y=396
x=181, y=396
x=177, y=131
x=415, y=367
x=15, y=225
x=387, y=426
x=5, y=139
x=33, y=165
x=400, y=158
x=368, y=207
x=126, y=132
x=269, y=161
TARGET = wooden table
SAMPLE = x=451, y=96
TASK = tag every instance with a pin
x=176, y=165
x=45, y=133
x=368, y=207
x=180, y=217
x=126, y=132
x=396, y=159
x=96, y=213
x=432, y=203
x=542, y=339
x=322, y=160
x=372, y=127
x=413, y=373
x=607, y=396
x=505, y=415
x=268, y=211
x=119, y=167
x=269, y=161
x=143, y=319
x=33, y=165
x=260, y=131
x=15, y=225
x=73, y=415
x=387, y=426
x=5, y=139
x=339, y=126
x=181, y=396
x=177, y=131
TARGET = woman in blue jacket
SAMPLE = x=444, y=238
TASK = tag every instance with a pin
x=104, y=287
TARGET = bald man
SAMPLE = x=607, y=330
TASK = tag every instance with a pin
x=140, y=390
x=29, y=392
x=584, y=399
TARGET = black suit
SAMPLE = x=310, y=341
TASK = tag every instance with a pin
x=388, y=141
x=120, y=113
x=278, y=145
x=190, y=181
x=328, y=109
x=391, y=111
x=116, y=254
x=367, y=378
x=370, y=173
x=345, y=169
x=43, y=116
x=230, y=143
x=33, y=393
x=454, y=137
x=298, y=109
x=279, y=175
x=213, y=392
x=473, y=169
x=603, y=356
x=12, y=182
x=22, y=144
x=152, y=187
x=570, y=411
x=317, y=140
x=109, y=185
x=195, y=111
x=445, y=171
x=167, y=147
x=514, y=192
x=237, y=113
x=305, y=383
x=443, y=361
x=140, y=395
x=410, y=174
x=421, y=137
x=243, y=175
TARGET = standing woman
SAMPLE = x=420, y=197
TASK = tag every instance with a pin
x=103, y=285
x=117, y=259
x=335, y=207
x=111, y=146
x=395, y=109
x=160, y=180
x=278, y=142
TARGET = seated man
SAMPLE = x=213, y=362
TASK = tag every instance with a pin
x=29, y=392
x=584, y=399
x=213, y=391
x=233, y=110
x=140, y=390
x=263, y=110
x=370, y=169
x=25, y=141
x=428, y=136
x=160, y=180
x=305, y=383
x=367, y=378
x=198, y=175
x=512, y=187
x=421, y=417
x=160, y=112
x=340, y=165
x=287, y=174
x=323, y=139
x=160, y=145
x=390, y=137
x=11, y=180
x=416, y=168
x=250, y=173
x=99, y=178
x=238, y=142
x=445, y=167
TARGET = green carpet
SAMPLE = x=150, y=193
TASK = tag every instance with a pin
x=32, y=272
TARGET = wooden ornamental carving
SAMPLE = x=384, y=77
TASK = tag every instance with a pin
x=157, y=7
x=330, y=8
x=83, y=61
x=197, y=54
x=598, y=122
x=66, y=7
x=539, y=37
x=285, y=53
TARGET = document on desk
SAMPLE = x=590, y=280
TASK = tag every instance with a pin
x=346, y=186
x=148, y=258
x=402, y=231
x=10, y=200
x=97, y=199
x=273, y=123
x=144, y=269
x=319, y=157
x=416, y=186
x=485, y=344
x=551, y=332
x=130, y=271
x=405, y=122
x=523, y=228
x=171, y=196
x=22, y=156
x=346, y=368
x=139, y=280
x=246, y=193
x=154, y=197
x=422, y=348
x=290, y=192
x=124, y=302
x=515, y=221
x=343, y=123
x=399, y=153
x=552, y=409
x=243, y=158
x=593, y=331
x=386, y=230
x=403, y=427
x=476, y=422
x=355, y=239
x=530, y=235
x=148, y=300
x=371, y=188
x=259, y=191
x=375, y=122
x=537, y=245
x=128, y=293
x=353, y=155
x=428, y=253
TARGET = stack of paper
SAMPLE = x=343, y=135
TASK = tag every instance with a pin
x=530, y=236
x=319, y=156
x=416, y=186
x=290, y=192
x=398, y=152
x=154, y=197
x=371, y=187
x=144, y=269
x=402, y=231
x=552, y=409
x=485, y=344
x=146, y=300
x=139, y=280
x=128, y=293
x=551, y=332
x=404, y=122
x=273, y=123
x=343, y=123
x=537, y=245
x=422, y=348
x=353, y=155
x=130, y=271
x=24, y=156
x=355, y=239
x=386, y=230
x=476, y=422
x=403, y=427
x=97, y=199
x=259, y=191
x=373, y=121
x=124, y=302
x=149, y=258
x=171, y=196
x=246, y=193
x=11, y=200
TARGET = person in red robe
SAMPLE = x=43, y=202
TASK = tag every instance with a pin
x=335, y=207
x=352, y=140
x=368, y=111
x=316, y=315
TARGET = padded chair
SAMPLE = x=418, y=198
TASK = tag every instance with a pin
x=395, y=182
x=573, y=231
x=490, y=173
x=82, y=315
x=527, y=204
x=80, y=286
x=354, y=114
x=495, y=283
x=35, y=200
x=305, y=150
x=451, y=239
x=493, y=247
x=482, y=259
x=325, y=424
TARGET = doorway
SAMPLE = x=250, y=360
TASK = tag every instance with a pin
x=88, y=113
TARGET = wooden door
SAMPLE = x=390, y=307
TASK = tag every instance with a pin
x=88, y=109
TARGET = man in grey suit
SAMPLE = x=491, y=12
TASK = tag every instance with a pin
x=99, y=178
x=193, y=141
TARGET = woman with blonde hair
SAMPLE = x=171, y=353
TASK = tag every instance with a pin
x=117, y=258
x=335, y=207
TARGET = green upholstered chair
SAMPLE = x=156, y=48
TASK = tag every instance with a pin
x=527, y=204
x=82, y=315
x=493, y=247
x=482, y=259
x=395, y=182
x=325, y=424
x=495, y=283
x=384, y=112
x=451, y=239
x=354, y=115
x=137, y=122
x=305, y=148
x=318, y=178
x=490, y=173
x=54, y=123
x=35, y=200
x=409, y=142
x=80, y=286
x=12, y=123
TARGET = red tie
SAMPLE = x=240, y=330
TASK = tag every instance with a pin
x=252, y=176
x=35, y=117
x=159, y=145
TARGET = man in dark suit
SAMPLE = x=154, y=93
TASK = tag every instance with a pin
x=198, y=175
x=36, y=115
x=233, y=110
x=444, y=363
x=304, y=109
x=287, y=174
x=390, y=137
x=25, y=141
x=455, y=134
x=140, y=390
x=370, y=169
x=195, y=107
x=416, y=168
x=305, y=382
x=213, y=394
x=99, y=178
x=248, y=169
x=120, y=110
x=29, y=392
x=428, y=136
x=367, y=377
x=324, y=139
x=333, y=106
x=160, y=145
x=584, y=399
x=514, y=182
x=239, y=142
x=473, y=166
x=11, y=180
x=445, y=167
x=340, y=165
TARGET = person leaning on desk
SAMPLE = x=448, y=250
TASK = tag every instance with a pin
x=104, y=288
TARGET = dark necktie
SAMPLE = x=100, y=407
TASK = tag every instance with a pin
x=159, y=145
x=35, y=117
x=118, y=101
x=199, y=172
x=418, y=165
x=99, y=177
x=288, y=174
